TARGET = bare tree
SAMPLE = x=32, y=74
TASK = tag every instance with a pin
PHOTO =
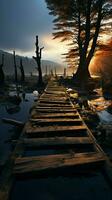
x=2, y=76
x=22, y=71
x=37, y=58
x=15, y=67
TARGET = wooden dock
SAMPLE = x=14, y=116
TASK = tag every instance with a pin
x=56, y=126
x=54, y=140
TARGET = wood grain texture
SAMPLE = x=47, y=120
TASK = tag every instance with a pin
x=52, y=162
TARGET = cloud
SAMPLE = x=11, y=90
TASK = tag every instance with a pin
x=53, y=48
x=21, y=21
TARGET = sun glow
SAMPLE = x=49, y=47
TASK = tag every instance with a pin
x=102, y=60
x=53, y=48
x=106, y=37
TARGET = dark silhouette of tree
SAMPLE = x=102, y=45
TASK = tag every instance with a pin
x=55, y=72
x=22, y=71
x=38, y=61
x=2, y=76
x=46, y=70
x=82, y=22
x=15, y=67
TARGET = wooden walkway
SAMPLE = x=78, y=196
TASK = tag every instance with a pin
x=54, y=140
x=56, y=129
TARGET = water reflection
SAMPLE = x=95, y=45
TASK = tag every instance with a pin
x=23, y=96
x=14, y=105
x=11, y=109
x=78, y=187
x=105, y=116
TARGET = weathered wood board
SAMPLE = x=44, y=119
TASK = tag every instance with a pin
x=36, y=165
x=56, y=141
x=71, y=115
x=29, y=128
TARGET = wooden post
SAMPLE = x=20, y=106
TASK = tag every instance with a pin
x=51, y=72
x=49, y=69
x=55, y=72
x=64, y=72
x=15, y=67
x=38, y=60
x=22, y=71
x=46, y=69
x=2, y=77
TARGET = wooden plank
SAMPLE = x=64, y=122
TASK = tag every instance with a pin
x=54, y=110
x=49, y=105
x=56, y=141
x=55, y=92
x=52, y=107
x=71, y=115
x=49, y=98
x=55, y=120
x=53, y=95
x=53, y=101
x=56, y=87
x=31, y=165
x=52, y=98
x=34, y=131
x=59, y=121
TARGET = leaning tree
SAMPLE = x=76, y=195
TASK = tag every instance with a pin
x=83, y=23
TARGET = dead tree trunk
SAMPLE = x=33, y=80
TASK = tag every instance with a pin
x=38, y=61
x=15, y=67
x=2, y=76
x=46, y=70
x=22, y=71
x=55, y=72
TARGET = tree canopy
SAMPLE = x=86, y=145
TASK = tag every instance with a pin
x=82, y=23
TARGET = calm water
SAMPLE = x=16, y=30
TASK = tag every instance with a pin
x=18, y=112
x=90, y=187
